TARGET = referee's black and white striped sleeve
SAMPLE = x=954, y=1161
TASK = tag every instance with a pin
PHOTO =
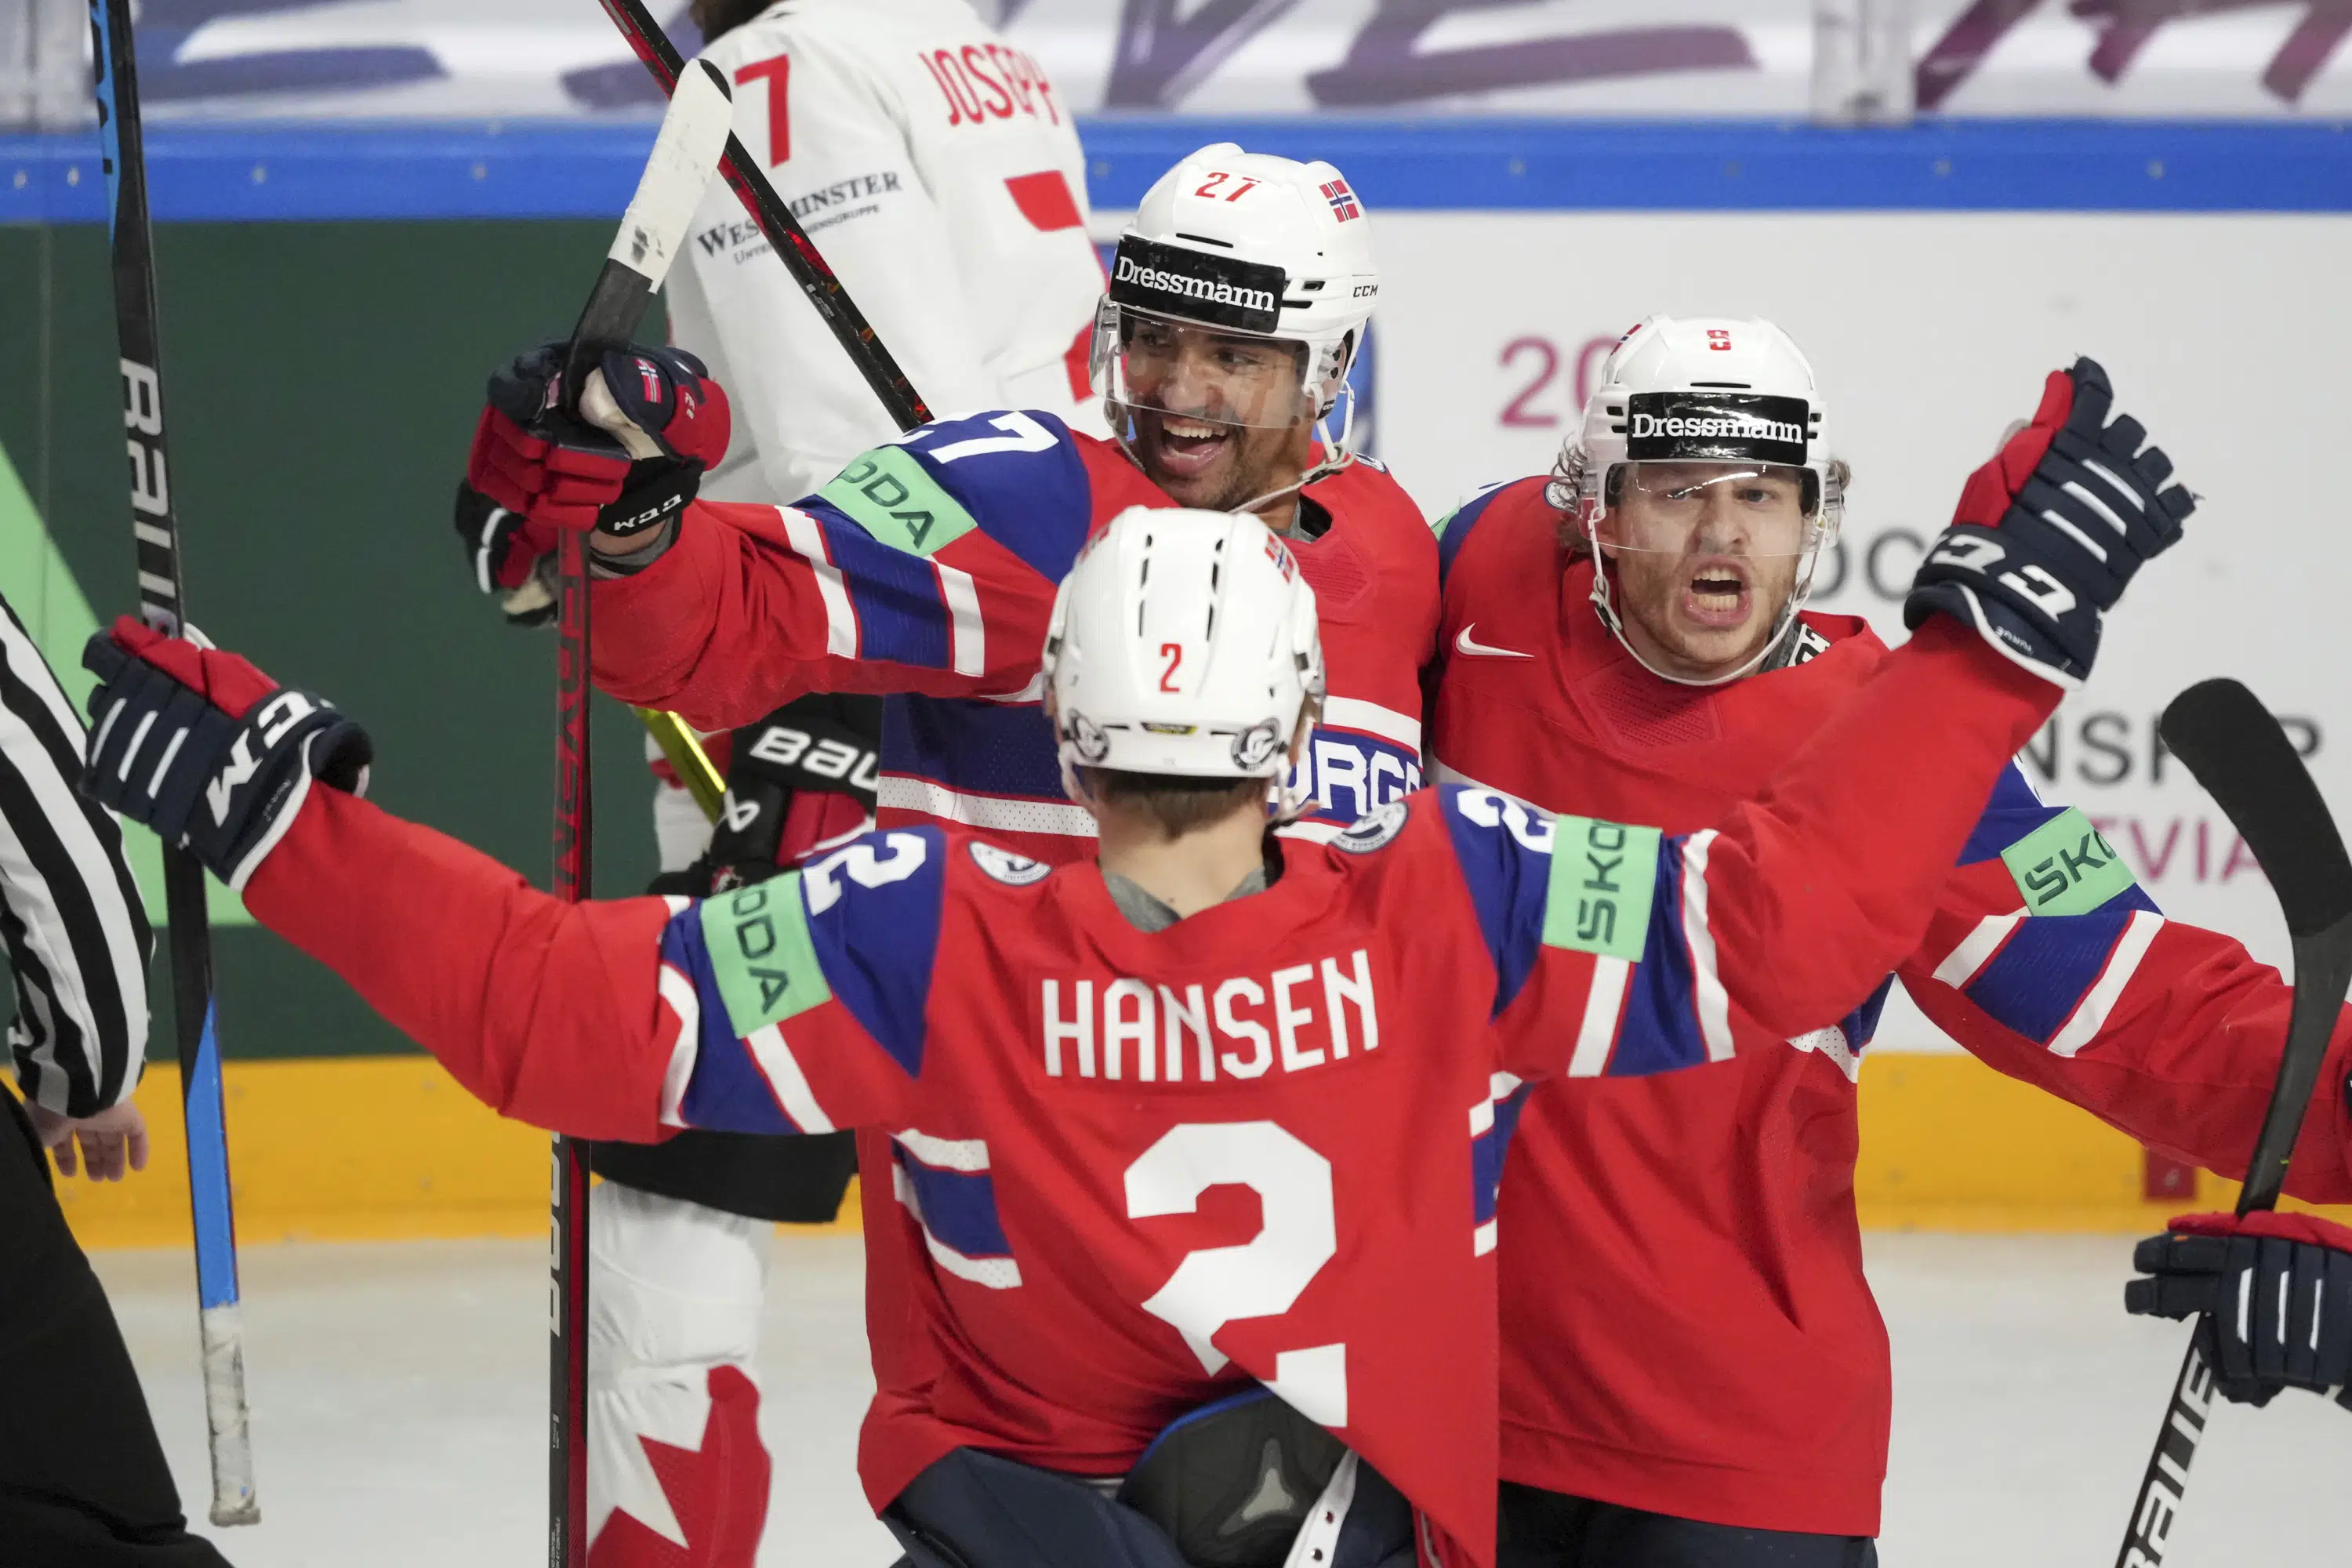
x=70, y=912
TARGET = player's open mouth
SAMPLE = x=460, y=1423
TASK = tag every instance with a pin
x=1718, y=594
x=1189, y=447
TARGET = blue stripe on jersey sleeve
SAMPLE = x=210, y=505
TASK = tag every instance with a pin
x=958, y=1207
x=1453, y=528
x=1658, y=1030
x=988, y=748
x=2013, y=812
x=1507, y=876
x=900, y=617
x=726, y=1092
x=874, y=921
x=1036, y=502
x=1861, y=1026
x=2049, y=964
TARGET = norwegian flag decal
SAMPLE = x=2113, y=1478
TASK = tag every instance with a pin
x=1342, y=200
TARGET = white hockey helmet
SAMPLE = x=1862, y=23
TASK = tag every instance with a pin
x=1183, y=642
x=1712, y=390
x=1247, y=244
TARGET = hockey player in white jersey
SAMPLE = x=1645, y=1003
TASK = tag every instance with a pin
x=939, y=173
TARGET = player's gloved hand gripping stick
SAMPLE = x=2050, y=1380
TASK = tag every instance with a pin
x=2275, y=1290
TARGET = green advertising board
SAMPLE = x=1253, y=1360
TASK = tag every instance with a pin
x=322, y=381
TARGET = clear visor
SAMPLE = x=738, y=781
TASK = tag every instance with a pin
x=1758, y=511
x=1153, y=364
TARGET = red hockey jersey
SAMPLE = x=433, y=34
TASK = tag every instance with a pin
x=928, y=569
x=1263, y=1144
x=1697, y=1337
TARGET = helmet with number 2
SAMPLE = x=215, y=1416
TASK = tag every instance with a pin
x=1230, y=244
x=1686, y=407
x=1183, y=642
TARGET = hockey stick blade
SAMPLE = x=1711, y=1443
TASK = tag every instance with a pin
x=2242, y=756
x=2245, y=761
x=653, y=230
x=784, y=233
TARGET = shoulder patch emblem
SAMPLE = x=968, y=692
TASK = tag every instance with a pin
x=1373, y=832
x=1013, y=870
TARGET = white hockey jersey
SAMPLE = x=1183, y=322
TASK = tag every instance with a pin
x=939, y=175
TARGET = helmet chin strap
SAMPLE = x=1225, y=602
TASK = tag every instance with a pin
x=1783, y=625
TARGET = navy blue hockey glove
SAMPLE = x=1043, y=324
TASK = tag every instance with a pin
x=2272, y=1294
x=2048, y=532
x=207, y=751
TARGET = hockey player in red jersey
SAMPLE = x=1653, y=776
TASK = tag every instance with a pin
x=1694, y=1368
x=1238, y=302
x=926, y=570
x=1071, y=1064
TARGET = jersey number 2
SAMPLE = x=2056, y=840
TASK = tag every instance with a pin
x=1263, y=1277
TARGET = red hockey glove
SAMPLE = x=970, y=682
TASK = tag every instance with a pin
x=2272, y=1294
x=207, y=751
x=2049, y=532
x=511, y=555
x=562, y=472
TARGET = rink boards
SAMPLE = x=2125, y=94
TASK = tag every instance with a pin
x=1933, y=276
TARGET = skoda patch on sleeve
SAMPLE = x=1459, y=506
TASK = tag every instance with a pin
x=892, y=497
x=2066, y=867
x=1604, y=877
x=758, y=939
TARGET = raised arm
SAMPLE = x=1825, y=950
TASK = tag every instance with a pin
x=926, y=566
x=1789, y=914
x=611, y=1019
x=2046, y=960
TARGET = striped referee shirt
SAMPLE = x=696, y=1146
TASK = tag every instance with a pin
x=70, y=912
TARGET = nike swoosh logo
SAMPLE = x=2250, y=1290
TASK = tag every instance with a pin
x=1466, y=644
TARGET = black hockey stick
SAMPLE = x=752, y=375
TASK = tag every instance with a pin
x=2237, y=750
x=782, y=232
x=652, y=231
x=162, y=602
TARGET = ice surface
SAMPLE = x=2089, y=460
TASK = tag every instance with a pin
x=398, y=1393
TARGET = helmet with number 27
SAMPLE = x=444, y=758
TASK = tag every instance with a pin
x=1238, y=299
x=1702, y=481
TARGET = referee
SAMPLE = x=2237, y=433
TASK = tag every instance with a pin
x=82, y=1477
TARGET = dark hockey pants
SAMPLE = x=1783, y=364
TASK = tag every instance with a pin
x=1552, y=1530
x=82, y=1479
x=972, y=1509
